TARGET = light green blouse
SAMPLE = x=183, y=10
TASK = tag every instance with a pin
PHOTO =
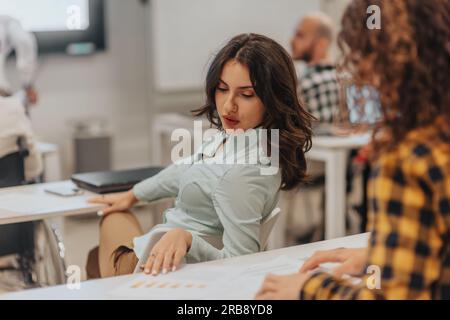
x=226, y=200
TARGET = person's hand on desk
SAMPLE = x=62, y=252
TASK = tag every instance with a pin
x=116, y=202
x=352, y=261
x=288, y=287
x=282, y=287
x=168, y=252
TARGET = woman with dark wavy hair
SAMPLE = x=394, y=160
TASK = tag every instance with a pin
x=407, y=61
x=273, y=82
x=251, y=85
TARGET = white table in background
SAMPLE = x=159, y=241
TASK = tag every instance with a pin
x=334, y=152
x=165, y=124
x=38, y=204
x=51, y=160
x=99, y=289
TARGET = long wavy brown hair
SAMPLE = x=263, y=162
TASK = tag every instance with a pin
x=273, y=76
x=407, y=61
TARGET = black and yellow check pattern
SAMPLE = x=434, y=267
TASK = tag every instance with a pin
x=409, y=194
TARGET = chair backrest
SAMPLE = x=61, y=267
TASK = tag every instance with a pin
x=12, y=166
x=267, y=225
x=18, y=237
x=11, y=170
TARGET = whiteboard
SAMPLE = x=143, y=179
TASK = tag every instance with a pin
x=185, y=34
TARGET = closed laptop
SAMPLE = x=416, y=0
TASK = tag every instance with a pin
x=113, y=181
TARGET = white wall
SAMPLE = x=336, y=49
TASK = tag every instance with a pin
x=335, y=9
x=188, y=99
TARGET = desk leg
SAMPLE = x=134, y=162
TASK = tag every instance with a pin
x=335, y=196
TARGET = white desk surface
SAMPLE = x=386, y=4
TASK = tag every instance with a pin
x=98, y=289
x=41, y=204
x=344, y=142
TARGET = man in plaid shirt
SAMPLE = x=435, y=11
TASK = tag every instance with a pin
x=318, y=85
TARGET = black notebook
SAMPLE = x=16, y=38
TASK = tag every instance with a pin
x=113, y=181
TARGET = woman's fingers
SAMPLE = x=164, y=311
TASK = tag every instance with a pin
x=157, y=263
x=266, y=296
x=111, y=209
x=168, y=252
x=168, y=261
x=312, y=262
x=340, y=270
x=261, y=290
x=101, y=200
x=321, y=257
x=108, y=210
x=149, y=264
x=348, y=267
x=269, y=284
x=178, y=257
x=270, y=278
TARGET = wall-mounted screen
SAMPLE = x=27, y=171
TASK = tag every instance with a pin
x=60, y=25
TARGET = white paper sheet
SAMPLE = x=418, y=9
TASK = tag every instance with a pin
x=245, y=284
x=190, y=282
x=36, y=203
x=195, y=282
x=205, y=282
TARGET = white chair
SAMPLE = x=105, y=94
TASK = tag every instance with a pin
x=266, y=228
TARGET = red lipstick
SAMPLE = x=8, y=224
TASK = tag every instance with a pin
x=230, y=121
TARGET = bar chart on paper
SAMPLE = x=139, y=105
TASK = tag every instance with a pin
x=187, y=283
x=196, y=283
x=168, y=284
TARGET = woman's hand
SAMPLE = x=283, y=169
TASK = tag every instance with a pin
x=168, y=252
x=282, y=287
x=353, y=261
x=116, y=202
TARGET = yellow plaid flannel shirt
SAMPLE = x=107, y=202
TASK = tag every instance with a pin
x=409, y=217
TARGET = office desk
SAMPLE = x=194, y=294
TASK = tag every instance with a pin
x=36, y=204
x=98, y=289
